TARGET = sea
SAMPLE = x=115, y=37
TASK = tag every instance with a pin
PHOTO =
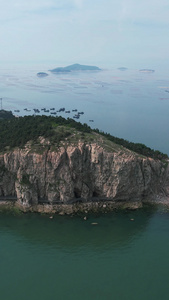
x=120, y=255
x=129, y=104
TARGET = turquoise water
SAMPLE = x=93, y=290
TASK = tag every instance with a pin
x=70, y=258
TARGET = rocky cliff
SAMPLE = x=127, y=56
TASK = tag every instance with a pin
x=85, y=172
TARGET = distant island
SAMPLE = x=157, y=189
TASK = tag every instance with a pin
x=147, y=71
x=75, y=67
x=122, y=69
x=42, y=74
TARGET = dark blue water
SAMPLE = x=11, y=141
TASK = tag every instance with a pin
x=125, y=256
x=127, y=104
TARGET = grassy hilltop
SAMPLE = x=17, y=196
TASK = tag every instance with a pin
x=16, y=132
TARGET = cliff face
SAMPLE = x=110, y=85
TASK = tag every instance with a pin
x=85, y=172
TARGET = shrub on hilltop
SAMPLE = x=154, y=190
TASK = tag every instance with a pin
x=16, y=132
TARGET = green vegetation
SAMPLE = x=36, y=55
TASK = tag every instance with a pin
x=136, y=147
x=17, y=132
x=10, y=209
x=5, y=114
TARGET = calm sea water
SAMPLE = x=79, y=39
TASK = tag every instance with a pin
x=125, y=256
x=128, y=104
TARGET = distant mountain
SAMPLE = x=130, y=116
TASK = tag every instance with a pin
x=75, y=67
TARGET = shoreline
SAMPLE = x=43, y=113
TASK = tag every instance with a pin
x=77, y=208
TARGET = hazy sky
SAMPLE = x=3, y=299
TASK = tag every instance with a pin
x=98, y=32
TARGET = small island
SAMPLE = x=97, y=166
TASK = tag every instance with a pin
x=147, y=71
x=122, y=69
x=75, y=67
x=42, y=74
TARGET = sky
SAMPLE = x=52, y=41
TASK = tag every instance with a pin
x=109, y=33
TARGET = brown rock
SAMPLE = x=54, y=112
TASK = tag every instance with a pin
x=83, y=172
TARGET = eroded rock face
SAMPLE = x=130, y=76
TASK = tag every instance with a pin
x=85, y=172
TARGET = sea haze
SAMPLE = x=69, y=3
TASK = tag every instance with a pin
x=129, y=104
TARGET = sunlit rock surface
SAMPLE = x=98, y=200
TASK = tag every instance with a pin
x=84, y=173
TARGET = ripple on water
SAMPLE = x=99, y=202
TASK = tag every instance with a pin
x=70, y=258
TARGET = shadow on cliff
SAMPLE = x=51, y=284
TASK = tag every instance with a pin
x=100, y=232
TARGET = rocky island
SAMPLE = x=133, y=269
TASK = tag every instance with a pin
x=50, y=164
x=75, y=67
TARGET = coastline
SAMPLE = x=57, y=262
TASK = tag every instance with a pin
x=85, y=207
